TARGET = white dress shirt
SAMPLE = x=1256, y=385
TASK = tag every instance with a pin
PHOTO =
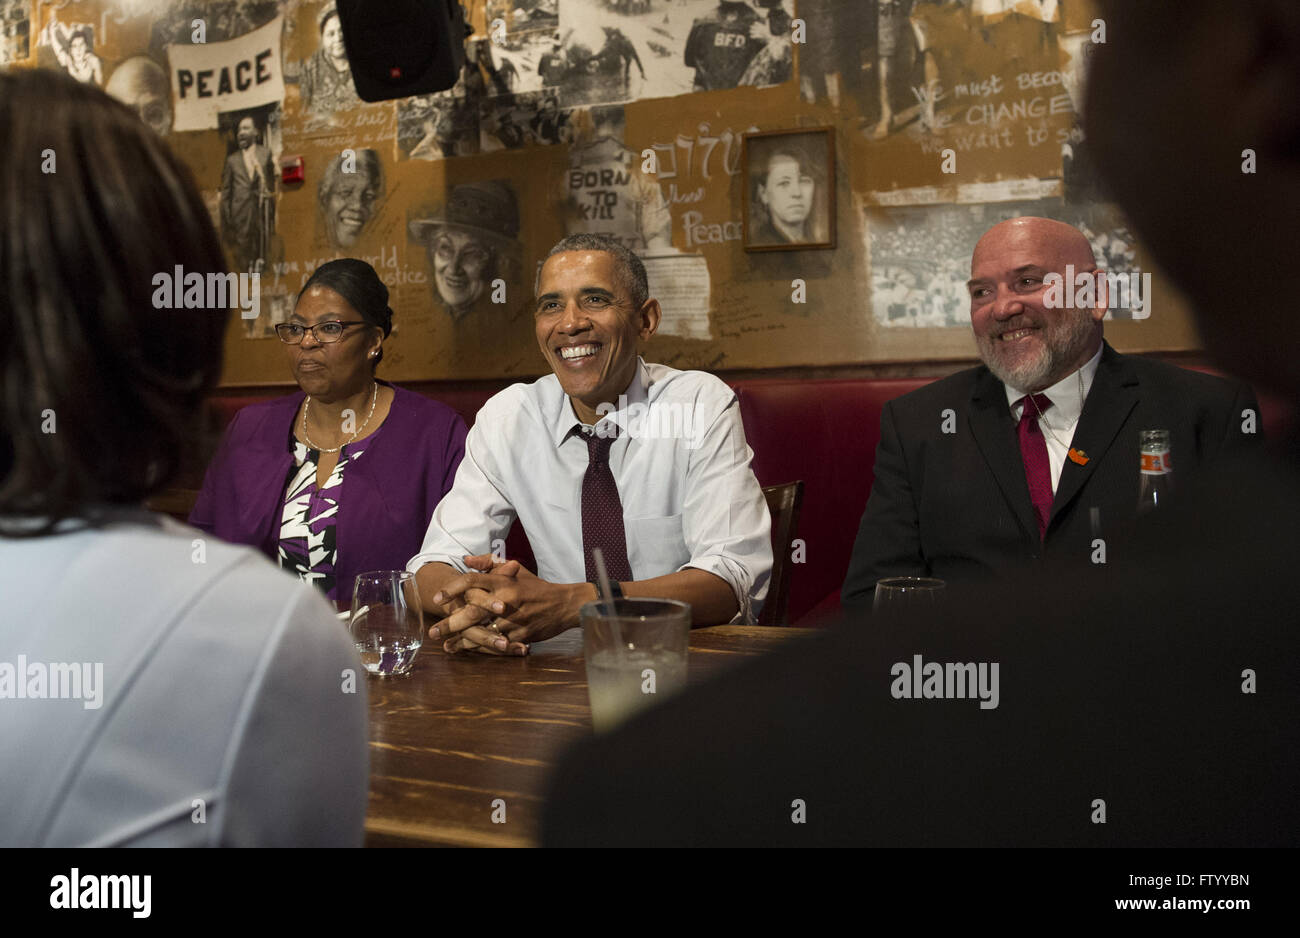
x=1058, y=422
x=680, y=461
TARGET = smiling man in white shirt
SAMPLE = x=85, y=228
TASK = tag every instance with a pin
x=644, y=461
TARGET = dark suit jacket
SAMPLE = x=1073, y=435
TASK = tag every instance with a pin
x=956, y=505
x=1128, y=689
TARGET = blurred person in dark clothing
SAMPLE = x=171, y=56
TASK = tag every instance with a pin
x=1151, y=703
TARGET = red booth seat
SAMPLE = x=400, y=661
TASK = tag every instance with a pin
x=824, y=432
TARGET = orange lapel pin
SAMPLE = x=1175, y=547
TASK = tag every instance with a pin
x=1078, y=456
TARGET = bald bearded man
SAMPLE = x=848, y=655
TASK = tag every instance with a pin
x=969, y=486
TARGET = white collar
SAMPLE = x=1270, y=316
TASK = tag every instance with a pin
x=1068, y=394
x=636, y=393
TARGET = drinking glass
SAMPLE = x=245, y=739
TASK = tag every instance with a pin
x=636, y=655
x=897, y=594
x=387, y=622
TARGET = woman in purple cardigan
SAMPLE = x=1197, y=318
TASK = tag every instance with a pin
x=343, y=476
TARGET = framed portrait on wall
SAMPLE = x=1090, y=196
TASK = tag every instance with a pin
x=789, y=180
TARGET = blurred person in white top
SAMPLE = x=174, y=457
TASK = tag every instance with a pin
x=156, y=687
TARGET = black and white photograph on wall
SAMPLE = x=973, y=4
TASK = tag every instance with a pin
x=527, y=60
x=325, y=79
x=550, y=125
x=349, y=195
x=839, y=31
x=248, y=188
x=522, y=16
x=141, y=83
x=446, y=124
x=522, y=33
x=15, y=31
x=920, y=254
x=437, y=126
x=882, y=58
x=222, y=21
x=512, y=121
x=789, y=185
x=470, y=241
x=606, y=192
x=417, y=121
x=1078, y=172
x=71, y=47
x=498, y=72
x=609, y=51
x=274, y=306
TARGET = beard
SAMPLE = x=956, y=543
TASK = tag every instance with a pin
x=1063, y=342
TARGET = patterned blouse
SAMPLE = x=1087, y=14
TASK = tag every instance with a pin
x=307, y=522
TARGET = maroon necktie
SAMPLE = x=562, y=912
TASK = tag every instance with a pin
x=602, y=511
x=1033, y=450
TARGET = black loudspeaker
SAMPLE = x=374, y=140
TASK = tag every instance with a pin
x=399, y=48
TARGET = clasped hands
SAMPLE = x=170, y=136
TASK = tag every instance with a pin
x=501, y=607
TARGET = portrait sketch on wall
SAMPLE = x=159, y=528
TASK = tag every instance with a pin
x=141, y=84
x=789, y=184
x=470, y=241
x=349, y=194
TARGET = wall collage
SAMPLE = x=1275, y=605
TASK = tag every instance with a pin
x=804, y=179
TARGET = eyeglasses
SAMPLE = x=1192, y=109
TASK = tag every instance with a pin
x=291, y=333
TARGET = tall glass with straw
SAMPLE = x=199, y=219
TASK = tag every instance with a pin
x=636, y=651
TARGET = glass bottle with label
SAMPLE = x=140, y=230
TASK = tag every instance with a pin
x=1156, y=470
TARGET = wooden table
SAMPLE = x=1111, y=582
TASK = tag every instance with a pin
x=461, y=732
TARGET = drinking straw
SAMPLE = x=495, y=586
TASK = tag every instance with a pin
x=607, y=597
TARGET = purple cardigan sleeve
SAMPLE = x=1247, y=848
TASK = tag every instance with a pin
x=204, y=513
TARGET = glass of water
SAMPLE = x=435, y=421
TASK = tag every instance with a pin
x=636, y=655
x=896, y=595
x=387, y=622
